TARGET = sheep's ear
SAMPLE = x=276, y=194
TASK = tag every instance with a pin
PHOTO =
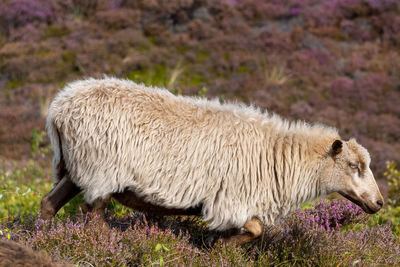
x=337, y=147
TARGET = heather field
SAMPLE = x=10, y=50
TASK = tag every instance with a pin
x=335, y=62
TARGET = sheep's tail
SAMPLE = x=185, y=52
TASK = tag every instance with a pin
x=55, y=139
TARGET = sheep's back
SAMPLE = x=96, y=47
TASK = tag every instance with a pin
x=125, y=135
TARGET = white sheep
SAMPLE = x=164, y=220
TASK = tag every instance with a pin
x=232, y=164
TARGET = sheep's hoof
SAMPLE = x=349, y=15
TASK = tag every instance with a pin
x=211, y=240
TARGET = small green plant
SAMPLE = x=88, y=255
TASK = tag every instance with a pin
x=5, y=233
x=56, y=31
x=176, y=91
x=392, y=207
x=195, y=79
x=242, y=69
x=157, y=75
x=36, y=142
x=9, y=86
x=118, y=210
x=13, y=84
x=202, y=55
x=202, y=92
x=393, y=177
x=161, y=247
x=73, y=206
x=153, y=40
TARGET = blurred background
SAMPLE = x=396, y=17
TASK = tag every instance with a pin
x=336, y=62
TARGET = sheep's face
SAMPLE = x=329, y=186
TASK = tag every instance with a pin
x=352, y=177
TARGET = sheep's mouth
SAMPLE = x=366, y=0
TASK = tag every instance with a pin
x=364, y=206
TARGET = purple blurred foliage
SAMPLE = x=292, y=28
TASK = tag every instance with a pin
x=17, y=13
x=28, y=33
x=341, y=86
x=115, y=4
x=373, y=85
x=322, y=57
x=327, y=216
x=232, y=2
x=301, y=109
x=382, y=5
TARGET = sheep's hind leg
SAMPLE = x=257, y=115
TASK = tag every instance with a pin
x=58, y=196
x=254, y=229
x=96, y=209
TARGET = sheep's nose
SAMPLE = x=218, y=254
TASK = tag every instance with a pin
x=379, y=203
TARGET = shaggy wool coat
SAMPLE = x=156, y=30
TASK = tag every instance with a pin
x=181, y=152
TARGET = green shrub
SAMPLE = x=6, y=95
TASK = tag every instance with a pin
x=36, y=143
x=156, y=76
x=392, y=207
x=21, y=191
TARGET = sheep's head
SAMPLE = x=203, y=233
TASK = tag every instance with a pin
x=352, y=177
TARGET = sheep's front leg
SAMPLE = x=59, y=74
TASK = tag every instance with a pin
x=254, y=229
x=61, y=193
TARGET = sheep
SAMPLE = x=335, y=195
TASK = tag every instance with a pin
x=14, y=254
x=237, y=167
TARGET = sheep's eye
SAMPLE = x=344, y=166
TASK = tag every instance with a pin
x=353, y=165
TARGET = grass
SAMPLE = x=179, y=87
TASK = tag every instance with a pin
x=157, y=76
x=21, y=190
